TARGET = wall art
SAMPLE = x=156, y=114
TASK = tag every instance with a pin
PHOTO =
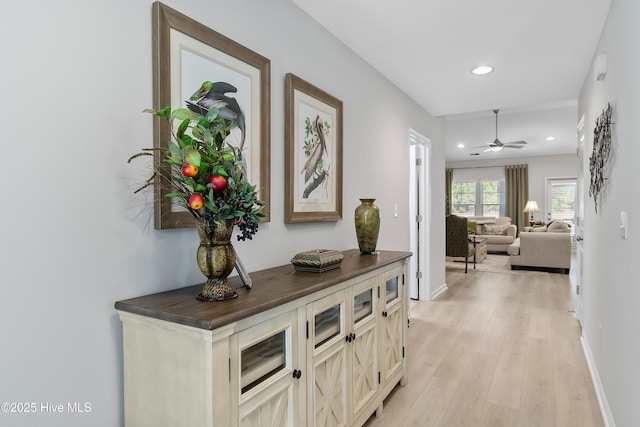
x=600, y=156
x=313, y=161
x=186, y=53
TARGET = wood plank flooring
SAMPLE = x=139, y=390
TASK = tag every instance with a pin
x=495, y=349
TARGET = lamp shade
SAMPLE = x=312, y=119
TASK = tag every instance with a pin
x=532, y=206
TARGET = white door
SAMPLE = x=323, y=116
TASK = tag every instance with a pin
x=418, y=215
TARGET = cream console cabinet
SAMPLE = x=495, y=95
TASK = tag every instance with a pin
x=298, y=349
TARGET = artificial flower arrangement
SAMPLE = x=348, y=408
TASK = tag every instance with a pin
x=206, y=174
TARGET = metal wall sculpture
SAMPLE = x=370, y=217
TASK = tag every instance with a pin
x=600, y=155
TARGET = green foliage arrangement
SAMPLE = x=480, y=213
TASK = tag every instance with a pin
x=205, y=174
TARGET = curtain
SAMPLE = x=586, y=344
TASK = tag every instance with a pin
x=448, y=179
x=517, y=194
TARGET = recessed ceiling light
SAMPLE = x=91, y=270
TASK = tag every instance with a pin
x=461, y=145
x=550, y=138
x=482, y=70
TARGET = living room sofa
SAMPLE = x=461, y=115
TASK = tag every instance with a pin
x=543, y=249
x=498, y=231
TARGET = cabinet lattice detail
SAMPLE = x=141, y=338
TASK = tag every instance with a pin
x=329, y=398
x=364, y=368
x=393, y=349
x=272, y=413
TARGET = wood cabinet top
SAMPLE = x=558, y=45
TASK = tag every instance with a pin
x=271, y=288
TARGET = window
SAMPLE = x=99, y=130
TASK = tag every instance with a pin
x=562, y=199
x=463, y=198
x=493, y=198
x=481, y=198
x=478, y=192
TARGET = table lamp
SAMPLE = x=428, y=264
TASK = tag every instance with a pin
x=531, y=207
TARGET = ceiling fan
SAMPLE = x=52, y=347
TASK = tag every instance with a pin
x=498, y=145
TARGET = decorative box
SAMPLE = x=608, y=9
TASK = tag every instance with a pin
x=317, y=260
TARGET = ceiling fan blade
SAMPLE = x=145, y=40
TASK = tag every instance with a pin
x=498, y=143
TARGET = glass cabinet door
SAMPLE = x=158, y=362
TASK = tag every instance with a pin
x=264, y=369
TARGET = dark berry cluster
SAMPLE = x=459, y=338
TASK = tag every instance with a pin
x=248, y=228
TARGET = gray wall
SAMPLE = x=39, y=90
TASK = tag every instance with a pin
x=611, y=288
x=76, y=76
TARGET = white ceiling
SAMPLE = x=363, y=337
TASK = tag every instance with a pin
x=532, y=125
x=541, y=51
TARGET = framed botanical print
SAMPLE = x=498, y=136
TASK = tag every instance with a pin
x=313, y=140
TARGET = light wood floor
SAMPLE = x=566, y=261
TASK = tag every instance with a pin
x=496, y=349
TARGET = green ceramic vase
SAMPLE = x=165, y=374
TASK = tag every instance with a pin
x=367, y=218
x=216, y=259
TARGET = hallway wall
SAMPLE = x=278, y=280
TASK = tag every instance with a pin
x=610, y=290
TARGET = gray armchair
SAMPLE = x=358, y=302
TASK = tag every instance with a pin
x=458, y=239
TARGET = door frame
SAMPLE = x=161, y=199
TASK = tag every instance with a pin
x=577, y=285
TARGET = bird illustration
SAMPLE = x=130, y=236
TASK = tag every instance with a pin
x=214, y=95
x=312, y=162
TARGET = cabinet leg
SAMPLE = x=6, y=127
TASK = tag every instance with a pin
x=379, y=410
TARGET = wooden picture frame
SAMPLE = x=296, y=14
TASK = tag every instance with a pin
x=313, y=160
x=187, y=53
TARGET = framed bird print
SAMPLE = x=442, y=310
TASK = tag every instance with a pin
x=313, y=161
x=197, y=68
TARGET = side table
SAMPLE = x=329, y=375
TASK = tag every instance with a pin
x=480, y=243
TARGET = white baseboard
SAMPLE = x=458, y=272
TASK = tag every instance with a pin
x=605, y=410
x=438, y=291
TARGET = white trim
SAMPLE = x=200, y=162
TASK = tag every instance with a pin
x=605, y=410
x=437, y=292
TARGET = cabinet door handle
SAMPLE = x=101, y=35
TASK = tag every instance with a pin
x=297, y=374
x=348, y=338
x=384, y=314
x=353, y=336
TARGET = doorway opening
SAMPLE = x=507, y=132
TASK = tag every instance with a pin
x=419, y=208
